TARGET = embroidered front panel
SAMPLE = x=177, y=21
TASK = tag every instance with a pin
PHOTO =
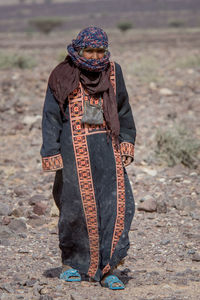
x=112, y=76
x=119, y=222
x=127, y=149
x=52, y=163
x=79, y=136
x=76, y=112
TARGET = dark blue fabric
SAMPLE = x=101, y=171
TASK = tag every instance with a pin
x=73, y=235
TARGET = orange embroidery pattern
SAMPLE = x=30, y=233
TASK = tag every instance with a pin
x=79, y=133
x=52, y=163
x=127, y=149
x=119, y=223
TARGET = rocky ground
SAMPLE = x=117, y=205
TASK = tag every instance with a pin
x=162, y=72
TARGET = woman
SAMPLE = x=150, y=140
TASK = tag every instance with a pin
x=88, y=139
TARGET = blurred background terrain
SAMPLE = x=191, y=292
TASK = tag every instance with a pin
x=77, y=14
x=157, y=44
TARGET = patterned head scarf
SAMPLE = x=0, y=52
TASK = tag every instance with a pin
x=93, y=37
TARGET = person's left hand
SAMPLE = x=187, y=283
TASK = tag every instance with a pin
x=126, y=160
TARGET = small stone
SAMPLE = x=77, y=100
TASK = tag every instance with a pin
x=30, y=120
x=166, y=92
x=44, y=291
x=37, y=222
x=45, y=297
x=6, y=287
x=20, y=279
x=151, y=216
x=54, y=211
x=153, y=86
x=185, y=204
x=190, y=71
x=31, y=215
x=54, y=230
x=196, y=257
x=161, y=207
x=151, y=172
x=23, y=251
x=19, y=192
x=183, y=213
x=31, y=282
x=169, y=269
x=186, y=181
x=149, y=205
x=6, y=220
x=191, y=251
x=165, y=242
x=193, y=174
x=5, y=232
x=195, y=215
x=145, y=198
x=162, y=180
x=22, y=235
x=40, y=208
x=76, y=297
x=85, y=283
x=179, y=82
x=35, y=199
x=18, y=225
x=5, y=209
x=17, y=213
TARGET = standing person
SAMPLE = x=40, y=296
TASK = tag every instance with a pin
x=88, y=139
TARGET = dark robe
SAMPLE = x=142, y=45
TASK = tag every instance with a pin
x=91, y=187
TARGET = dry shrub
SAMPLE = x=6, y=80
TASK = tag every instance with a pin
x=176, y=146
x=124, y=26
x=176, y=23
x=16, y=61
x=46, y=25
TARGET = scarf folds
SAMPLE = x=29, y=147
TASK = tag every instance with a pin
x=65, y=78
x=94, y=75
x=95, y=65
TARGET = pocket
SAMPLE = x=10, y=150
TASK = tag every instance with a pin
x=93, y=114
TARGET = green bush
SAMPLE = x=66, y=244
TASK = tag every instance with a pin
x=16, y=61
x=176, y=23
x=124, y=26
x=177, y=146
x=46, y=25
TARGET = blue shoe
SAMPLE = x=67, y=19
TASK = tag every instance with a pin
x=70, y=275
x=110, y=281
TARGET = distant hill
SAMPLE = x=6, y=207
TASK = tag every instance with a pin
x=77, y=14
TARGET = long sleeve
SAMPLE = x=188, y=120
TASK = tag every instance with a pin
x=127, y=125
x=51, y=130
